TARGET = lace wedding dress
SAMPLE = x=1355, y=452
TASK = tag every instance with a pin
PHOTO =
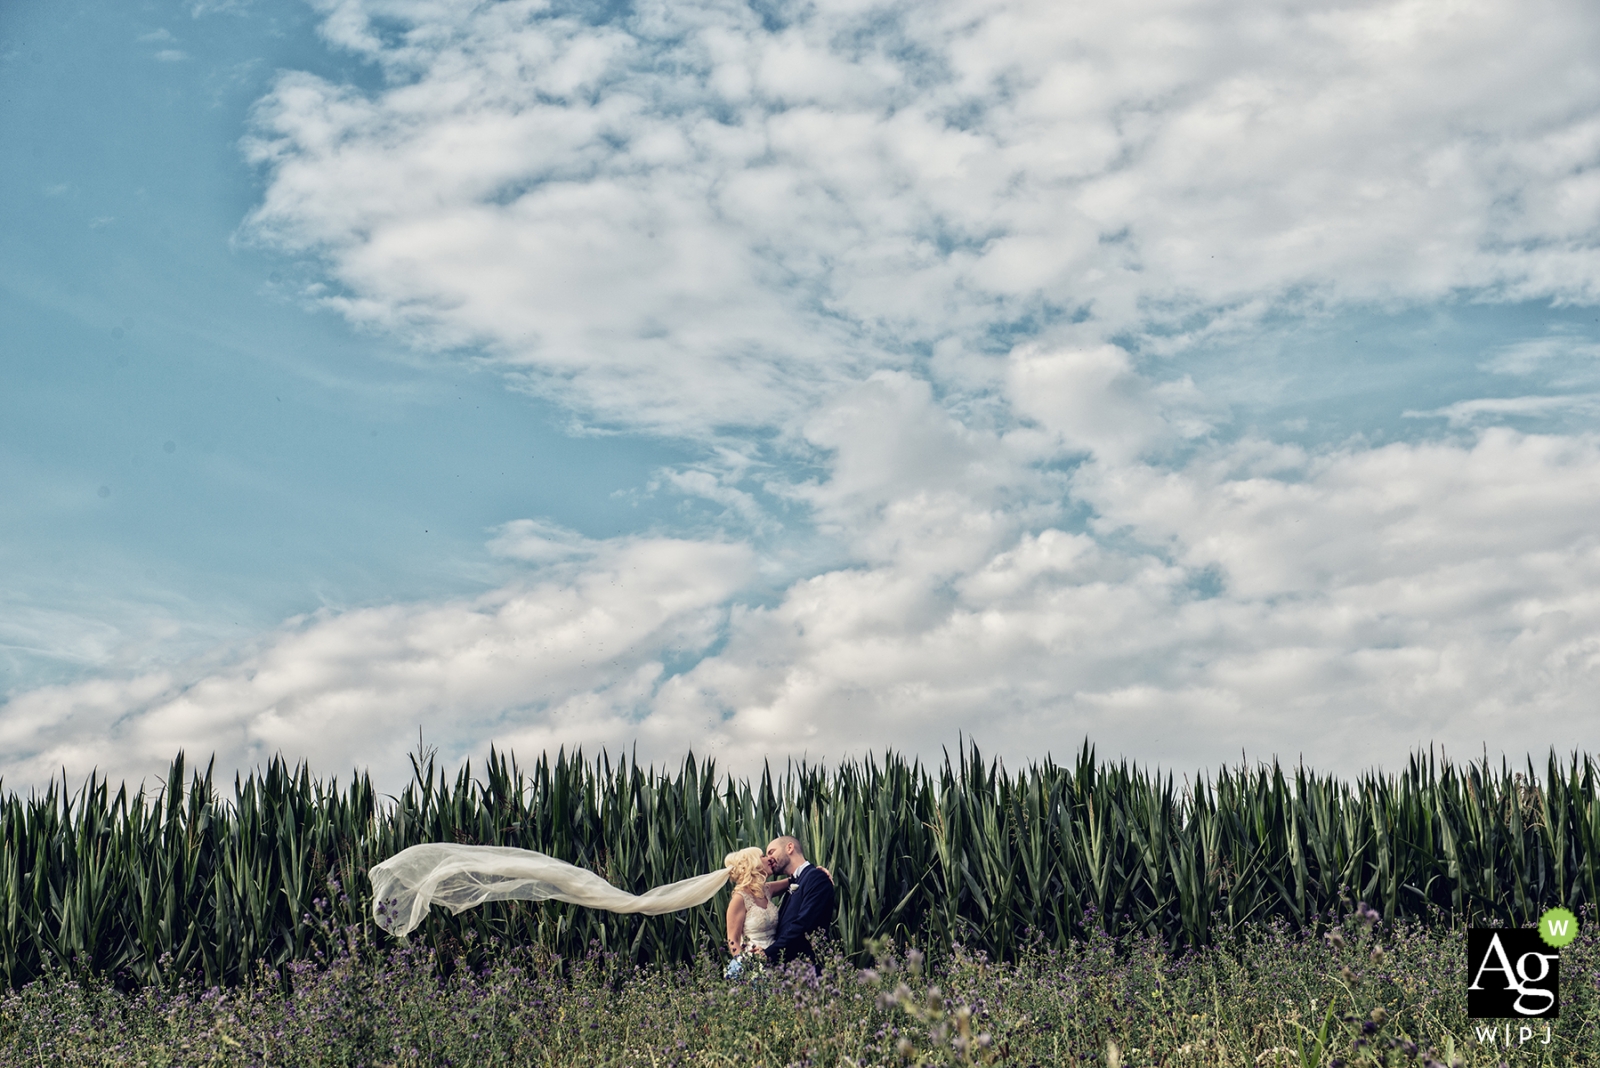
x=760, y=930
x=760, y=923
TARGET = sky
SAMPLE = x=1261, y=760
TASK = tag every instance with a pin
x=1207, y=381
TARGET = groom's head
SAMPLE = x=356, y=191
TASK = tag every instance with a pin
x=785, y=854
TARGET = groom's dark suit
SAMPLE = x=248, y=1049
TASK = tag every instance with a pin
x=807, y=907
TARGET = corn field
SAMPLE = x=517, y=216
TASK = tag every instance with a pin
x=192, y=883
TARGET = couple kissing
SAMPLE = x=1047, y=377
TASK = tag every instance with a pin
x=759, y=926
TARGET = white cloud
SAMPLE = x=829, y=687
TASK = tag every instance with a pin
x=1279, y=522
x=1482, y=409
x=1533, y=355
x=1092, y=400
x=1344, y=605
x=894, y=261
x=201, y=8
x=80, y=630
x=1560, y=359
x=683, y=220
x=539, y=542
x=719, y=487
x=1368, y=601
x=575, y=649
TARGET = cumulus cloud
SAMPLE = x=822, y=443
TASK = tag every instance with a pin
x=925, y=273
x=690, y=217
x=1092, y=400
x=1344, y=605
x=575, y=650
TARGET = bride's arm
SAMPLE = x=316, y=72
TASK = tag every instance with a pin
x=736, y=909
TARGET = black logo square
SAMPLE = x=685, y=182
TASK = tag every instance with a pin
x=1511, y=975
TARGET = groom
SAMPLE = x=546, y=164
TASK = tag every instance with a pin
x=807, y=907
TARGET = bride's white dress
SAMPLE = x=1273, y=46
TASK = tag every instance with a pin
x=760, y=923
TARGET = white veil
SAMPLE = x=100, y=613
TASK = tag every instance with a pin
x=461, y=876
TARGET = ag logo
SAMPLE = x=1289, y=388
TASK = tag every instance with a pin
x=1511, y=974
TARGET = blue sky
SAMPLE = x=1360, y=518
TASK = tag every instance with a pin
x=795, y=383
x=308, y=465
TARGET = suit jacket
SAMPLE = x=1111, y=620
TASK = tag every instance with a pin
x=807, y=907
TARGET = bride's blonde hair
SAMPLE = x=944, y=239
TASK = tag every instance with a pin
x=744, y=869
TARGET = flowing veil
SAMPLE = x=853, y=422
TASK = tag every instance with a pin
x=461, y=876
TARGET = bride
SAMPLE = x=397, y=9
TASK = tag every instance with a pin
x=752, y=912
x=460, y=877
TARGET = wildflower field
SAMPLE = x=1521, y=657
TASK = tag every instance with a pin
x=1082, y=913
x=1374, y=996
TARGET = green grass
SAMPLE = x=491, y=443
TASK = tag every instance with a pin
x=1270, y=997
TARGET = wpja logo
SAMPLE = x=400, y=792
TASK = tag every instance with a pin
x=1516, y=973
